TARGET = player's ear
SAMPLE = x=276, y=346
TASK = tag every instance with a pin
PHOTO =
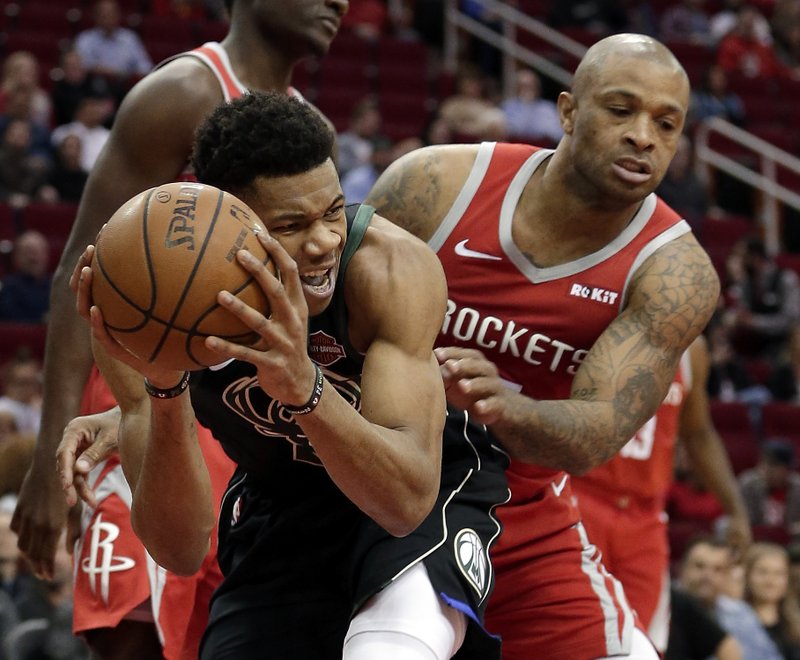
x=566, y=105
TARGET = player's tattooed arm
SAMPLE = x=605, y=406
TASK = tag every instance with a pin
x=627, y=373
x=416, y=191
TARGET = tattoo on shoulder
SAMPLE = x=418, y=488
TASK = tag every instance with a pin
x=676, y=293
x=406, y=195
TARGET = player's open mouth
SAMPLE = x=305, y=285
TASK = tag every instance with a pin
x=318, y=282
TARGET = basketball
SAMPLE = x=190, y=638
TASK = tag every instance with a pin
x=159, y=264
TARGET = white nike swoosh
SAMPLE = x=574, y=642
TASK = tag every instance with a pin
x=557, y=489
x=463, y=251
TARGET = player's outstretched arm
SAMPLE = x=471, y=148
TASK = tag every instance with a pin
x=707, y=453
x=149, y=144
x=620, y=383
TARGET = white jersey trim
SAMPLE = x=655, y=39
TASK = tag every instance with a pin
x=465, y=196
x=223, y=56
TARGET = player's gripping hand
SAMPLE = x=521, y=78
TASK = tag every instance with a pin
x=285, y=371
x=472, y=383
x=86, y=442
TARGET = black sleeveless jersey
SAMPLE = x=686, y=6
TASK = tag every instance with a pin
x=254, y=429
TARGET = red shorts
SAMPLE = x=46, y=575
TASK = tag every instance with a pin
x=633, y=539
x=553, y=597
x=116, y=579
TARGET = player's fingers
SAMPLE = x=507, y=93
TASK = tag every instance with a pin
x=84, y=260
x=487, y=411
x=445, y=353
x=38, y=546
x=83, y=292
x=84, y=491
x=65, y=458
x=290, y=291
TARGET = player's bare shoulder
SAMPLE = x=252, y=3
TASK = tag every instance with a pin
x=190, y=87
x=395, y=279
x=416, y=190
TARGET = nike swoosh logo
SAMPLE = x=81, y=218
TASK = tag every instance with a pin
x=560, y=487
x=463, y=251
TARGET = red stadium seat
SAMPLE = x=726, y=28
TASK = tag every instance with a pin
x=733, y=422
x=781, y=420
x=16, y=336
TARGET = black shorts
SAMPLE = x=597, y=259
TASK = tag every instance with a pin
x=311, y=557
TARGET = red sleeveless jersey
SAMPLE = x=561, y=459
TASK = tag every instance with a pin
x=535, y=324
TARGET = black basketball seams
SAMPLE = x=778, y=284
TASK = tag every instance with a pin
x=190, y=278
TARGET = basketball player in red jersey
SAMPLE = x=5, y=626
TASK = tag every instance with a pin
x=573, y=292
x=150, y=144
x=622, y=501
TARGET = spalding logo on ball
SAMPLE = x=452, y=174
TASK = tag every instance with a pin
x=159, y=264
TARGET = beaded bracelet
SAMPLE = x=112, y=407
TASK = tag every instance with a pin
x=170, y=393
x=316, y=395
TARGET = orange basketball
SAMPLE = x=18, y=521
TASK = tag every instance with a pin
x=159, y=264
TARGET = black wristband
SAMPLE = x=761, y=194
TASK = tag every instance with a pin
x=316, y=395
x=172, y=392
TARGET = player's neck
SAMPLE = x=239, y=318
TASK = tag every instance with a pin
x=255, y=64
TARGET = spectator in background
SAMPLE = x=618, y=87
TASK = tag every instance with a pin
x=357, y=183
x=19, y=106
x=67, y=176
x=528, y=116
x=768, y=591
x=682, y=188
x=763, y=301
x=694, y=634
x=742, y=52
x=703, y=573
x=728, y=378
x=787, y=46
x=354, y=145
x=25, y=292
x=21, y=71
x=22, y=392
x=89, y=126
x=110, y=50
x=437, y=131
x=23, y=173
x=469, y=113
x=686, y=21
x=784, y=380
x=771, y=490
x=714, y=99
x=724, y=22
x=74, y=83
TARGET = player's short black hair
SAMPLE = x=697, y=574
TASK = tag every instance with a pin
x=259, y=134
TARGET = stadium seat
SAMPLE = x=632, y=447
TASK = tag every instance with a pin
x=781, y=420
x=735, y=426
x=14, y=336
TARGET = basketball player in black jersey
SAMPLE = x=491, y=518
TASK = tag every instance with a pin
x=349, y=528
x=150, y=144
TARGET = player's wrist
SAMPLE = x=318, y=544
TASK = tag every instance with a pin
x=167, y=388
x=314, y=398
